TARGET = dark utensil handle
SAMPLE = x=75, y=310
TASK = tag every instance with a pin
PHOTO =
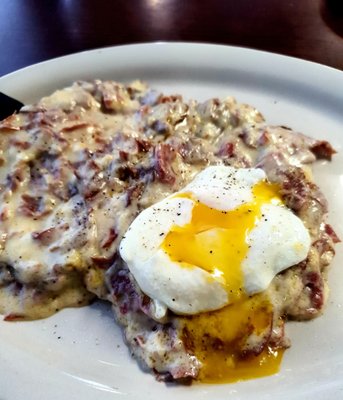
x=8, y=105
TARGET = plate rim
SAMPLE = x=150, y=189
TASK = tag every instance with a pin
x=170, y=44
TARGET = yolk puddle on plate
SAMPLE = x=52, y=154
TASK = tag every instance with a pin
x=218, y=340
x=216, y=241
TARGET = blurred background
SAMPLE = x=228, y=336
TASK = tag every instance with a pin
x=36, y=30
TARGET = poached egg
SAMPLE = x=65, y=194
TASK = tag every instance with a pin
x=208, y=253
x=225, y=235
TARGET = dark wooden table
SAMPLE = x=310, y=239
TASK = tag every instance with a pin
x=36, y=30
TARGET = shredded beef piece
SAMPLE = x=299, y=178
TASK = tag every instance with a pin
x=32, y=206
x=323, y=149
x=134, y=193
x=112, y=236
x=49, y=236
x=164, y=156
x=298, y=191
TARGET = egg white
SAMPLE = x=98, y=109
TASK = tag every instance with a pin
x=278, y=241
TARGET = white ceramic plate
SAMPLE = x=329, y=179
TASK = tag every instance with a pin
x=79, y=353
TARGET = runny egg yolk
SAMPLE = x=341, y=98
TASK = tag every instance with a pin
x=216, y=241
x=225, y=340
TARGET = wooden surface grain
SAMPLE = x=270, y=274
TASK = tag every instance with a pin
x=36, y=30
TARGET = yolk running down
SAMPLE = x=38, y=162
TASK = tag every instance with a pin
x=220, y=340
x=216, y=241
